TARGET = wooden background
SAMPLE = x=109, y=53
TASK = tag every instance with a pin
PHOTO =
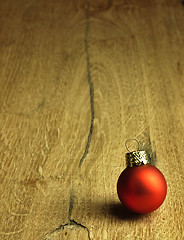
x=77, y=79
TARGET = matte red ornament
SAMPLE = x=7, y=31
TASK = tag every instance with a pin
x=141, y=187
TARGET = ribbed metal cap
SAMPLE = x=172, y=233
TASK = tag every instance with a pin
x=136, y=158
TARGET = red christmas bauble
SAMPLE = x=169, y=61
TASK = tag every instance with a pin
x=142, y=189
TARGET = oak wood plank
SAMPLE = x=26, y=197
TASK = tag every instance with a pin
x=136, y=61
x=77, y=79
x=44, y=113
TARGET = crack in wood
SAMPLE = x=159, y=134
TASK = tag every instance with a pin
x=90, y=82
x=91, y=88
x=71, y=224
x=71, y=202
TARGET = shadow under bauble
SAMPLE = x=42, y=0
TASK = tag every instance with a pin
x=122, y=212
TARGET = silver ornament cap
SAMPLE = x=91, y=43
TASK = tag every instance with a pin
x=136, y=158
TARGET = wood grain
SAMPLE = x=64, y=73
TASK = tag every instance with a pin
x=77, y=79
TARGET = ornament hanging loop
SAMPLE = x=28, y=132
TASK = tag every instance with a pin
x=132, y=139
x=137, y=157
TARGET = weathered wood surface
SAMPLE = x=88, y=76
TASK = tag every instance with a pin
x=77, y=79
